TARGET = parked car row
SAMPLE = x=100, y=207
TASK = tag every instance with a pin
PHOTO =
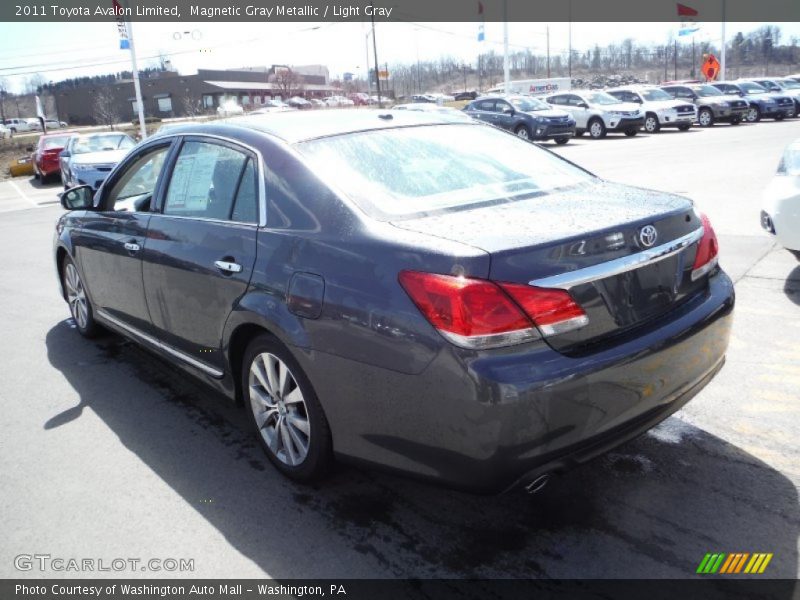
x=627, y=109
x=17, y=125
x=85, y=159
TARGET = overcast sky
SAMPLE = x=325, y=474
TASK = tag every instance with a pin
x=62, y=50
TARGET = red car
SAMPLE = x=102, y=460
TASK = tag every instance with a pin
x=45, y=159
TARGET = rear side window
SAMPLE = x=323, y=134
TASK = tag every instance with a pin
x=245, y=206
x=487, y=105
x=204, y=181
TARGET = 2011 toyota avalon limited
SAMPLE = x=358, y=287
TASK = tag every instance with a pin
x=431, y=295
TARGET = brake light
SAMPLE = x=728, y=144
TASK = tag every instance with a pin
x=477, y=313
x=707, y=250
x=553, y=311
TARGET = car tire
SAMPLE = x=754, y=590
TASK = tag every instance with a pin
x=597, y=129
x=561, y=140
x=685, y=127
x=295, y=434
x=524, y=132
x=80, y=307
x=631, y=132
x=651, y=124
x=705, y=117
x=753, y=115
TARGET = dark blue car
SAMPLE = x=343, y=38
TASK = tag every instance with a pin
x=427, y=294
x=763, y=103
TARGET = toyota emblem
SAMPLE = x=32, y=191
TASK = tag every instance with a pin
x=648, y=235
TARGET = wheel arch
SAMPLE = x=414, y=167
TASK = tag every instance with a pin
x=259, y=313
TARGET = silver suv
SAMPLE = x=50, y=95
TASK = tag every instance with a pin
x=712, y=105
x=598, y=112
x=660, y=109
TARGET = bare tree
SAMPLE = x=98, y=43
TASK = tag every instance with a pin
x=106, y=110
x=192, y=104
x=289, y=82
x=34, y=82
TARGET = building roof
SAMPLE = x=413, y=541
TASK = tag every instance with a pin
x=265, y=86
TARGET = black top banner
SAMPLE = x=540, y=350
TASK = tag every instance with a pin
x=401, y=10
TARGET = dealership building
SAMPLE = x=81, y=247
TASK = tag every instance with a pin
x=168, y=94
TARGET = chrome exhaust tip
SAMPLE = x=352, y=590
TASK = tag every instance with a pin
x=537, y=485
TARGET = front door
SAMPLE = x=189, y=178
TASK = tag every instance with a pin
x=109, y=243
x=201, y=246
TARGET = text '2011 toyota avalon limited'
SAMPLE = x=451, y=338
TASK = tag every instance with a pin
x=423, y=293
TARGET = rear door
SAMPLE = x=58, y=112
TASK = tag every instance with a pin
x=484, y=110
x=201, y=246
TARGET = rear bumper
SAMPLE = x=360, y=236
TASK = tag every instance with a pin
x=485, y=421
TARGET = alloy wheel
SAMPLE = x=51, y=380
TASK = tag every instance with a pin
x=651, y=124
x=596, y=129
x=522, y=132
x=752, y=115
x=279, y=409
x=705, y=118
x=76, y=296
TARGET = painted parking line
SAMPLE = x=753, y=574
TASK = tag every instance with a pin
x=20, y=192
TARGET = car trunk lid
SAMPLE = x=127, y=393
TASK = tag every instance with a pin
x=625, y=254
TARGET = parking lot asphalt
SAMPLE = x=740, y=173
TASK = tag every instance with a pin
x=106, y=452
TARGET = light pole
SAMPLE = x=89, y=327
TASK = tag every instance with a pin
x=375, y=55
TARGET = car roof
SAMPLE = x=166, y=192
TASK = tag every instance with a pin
x=297, y=126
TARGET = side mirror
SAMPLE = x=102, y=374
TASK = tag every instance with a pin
x=583, y=105
x=29, y=148
x=78, y=198
x=509, y=110
x=65, y=154
x=638, y=100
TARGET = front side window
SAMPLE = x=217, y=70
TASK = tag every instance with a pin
x=529, y=104
x=204, y=181
x=51, y=143
x=410, y=171
x=133, y=190
x=601, y=98
x=705, y=91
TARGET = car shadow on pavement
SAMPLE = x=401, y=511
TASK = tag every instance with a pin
x=652, y=508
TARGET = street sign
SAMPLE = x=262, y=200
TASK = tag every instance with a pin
x=710, y=67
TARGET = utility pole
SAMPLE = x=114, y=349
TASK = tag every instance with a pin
x=675, y=59
x=569, y=60
x=693, y=59
x=375, y=52
x=722, y=52
x=548, y=51
x=506, y=72
x=136, y=86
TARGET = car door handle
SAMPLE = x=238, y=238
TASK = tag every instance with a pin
x=132, y=247
x=228, y=267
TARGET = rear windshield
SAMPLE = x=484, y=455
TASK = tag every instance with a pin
x=412, y=171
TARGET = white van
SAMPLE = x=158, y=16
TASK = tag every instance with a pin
x=535, y=87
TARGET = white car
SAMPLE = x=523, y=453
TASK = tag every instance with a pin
x=53, y=124
x=18, y=125
x=229, y=109
x=34, y=125
x=599, y=113
x=660, y=109
x=780, y=206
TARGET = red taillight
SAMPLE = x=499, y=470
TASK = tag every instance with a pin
x=476, y=313
x=553, y=311
x=707, y=250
